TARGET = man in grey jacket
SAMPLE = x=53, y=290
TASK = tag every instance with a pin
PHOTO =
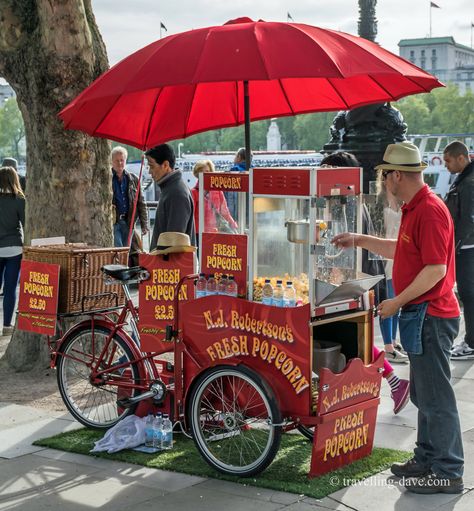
x=460, y=202
x=175, y=211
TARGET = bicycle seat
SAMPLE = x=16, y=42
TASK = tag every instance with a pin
x=122, y=272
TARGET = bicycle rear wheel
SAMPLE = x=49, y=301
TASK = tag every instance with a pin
x=94, y=402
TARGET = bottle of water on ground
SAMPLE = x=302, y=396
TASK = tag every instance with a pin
x=231, y=288
x=211, y=288
x=201, y=286
x=158, y=431
x=289, y=295
x=278, y=294
x=267, y=293
x=149, y=430
x=167, y=433
x=222, y=285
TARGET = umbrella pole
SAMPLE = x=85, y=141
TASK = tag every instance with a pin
x=132, y=223
x=247, y=124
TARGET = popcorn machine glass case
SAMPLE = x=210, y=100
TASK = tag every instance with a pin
x=295, y=214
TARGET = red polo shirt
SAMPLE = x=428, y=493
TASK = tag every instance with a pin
x=426, y=237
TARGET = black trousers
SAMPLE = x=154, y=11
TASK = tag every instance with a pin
x=465, y=282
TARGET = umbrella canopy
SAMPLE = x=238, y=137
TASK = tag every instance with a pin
x=199, y=80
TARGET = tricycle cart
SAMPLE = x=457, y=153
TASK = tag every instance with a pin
x=239, y=373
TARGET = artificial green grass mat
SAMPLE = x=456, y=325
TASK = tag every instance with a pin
x=288, y=472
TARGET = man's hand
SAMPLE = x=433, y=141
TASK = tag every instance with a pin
x=144, y=231
x=345, y=240
x=388, y=308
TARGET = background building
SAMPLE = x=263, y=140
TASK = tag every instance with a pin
x=442, y=57
x=6, y=91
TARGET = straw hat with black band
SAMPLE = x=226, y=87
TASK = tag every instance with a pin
x=173, y=242
x=404, y=157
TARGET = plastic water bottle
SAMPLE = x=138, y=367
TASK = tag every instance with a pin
x=211, y=287
x=267, y=293
x=278, y=294
x=222, y=285
x=167, y=433
x=289, y=295
x=157, y=431
x=201, y=285
x=149, y=430
x=231, y=288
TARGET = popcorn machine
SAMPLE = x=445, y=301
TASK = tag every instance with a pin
x=295, y=214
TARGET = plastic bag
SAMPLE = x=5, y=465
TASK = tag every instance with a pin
x=126, y=434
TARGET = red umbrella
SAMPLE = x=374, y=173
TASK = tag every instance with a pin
x=201, y=80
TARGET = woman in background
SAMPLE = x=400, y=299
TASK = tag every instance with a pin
x=214, y=202
x=12, y=221
x=392, y=216
x=400, y=388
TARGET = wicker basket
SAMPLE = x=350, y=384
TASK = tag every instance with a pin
x=80, y=278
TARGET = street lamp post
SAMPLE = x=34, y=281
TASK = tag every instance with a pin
x=180, y=145
x=366, y=131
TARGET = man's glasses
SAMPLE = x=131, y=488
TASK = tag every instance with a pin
x=385, y=173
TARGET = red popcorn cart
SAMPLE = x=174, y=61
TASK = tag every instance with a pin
x=274, y=335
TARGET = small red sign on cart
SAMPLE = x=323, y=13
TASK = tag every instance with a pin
x=347, y=407
x=226, y=254
x=38, y=302
x=156, y=296
x=227, y=181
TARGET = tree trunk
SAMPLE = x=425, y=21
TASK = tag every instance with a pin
x=49, y=52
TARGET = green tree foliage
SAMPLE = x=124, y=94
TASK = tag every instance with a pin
x=444, y=110
x=12, y=129
x=312, y=130
x=416, y=114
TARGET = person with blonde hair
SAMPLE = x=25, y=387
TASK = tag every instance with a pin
x=391, y=215
x=216, y=212
x=12, y=221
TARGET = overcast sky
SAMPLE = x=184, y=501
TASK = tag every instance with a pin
x=127, y=25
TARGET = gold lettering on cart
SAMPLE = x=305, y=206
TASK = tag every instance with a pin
x=350, y=433
x=38, y=284
x=226, y=182
x=236, y=346
x=224, y=257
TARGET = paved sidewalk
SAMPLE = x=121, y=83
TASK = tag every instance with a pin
x=35, y=478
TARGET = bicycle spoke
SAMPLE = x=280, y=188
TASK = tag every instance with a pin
x=91, y=397
x=232, y=423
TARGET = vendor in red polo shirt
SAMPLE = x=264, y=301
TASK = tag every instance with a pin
x=423, y=279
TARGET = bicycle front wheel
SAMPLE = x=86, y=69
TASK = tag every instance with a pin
x=235, y=420
x=93, y=401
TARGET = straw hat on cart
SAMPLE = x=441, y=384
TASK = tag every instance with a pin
x=173, y=242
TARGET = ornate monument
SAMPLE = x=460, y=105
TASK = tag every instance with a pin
x=366, y=131
x=273, y=137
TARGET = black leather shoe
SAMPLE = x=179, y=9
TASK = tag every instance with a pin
x=431, y=483
x=409, y=469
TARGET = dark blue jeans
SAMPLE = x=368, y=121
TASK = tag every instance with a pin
x=388, y=326
x=121, y=229
x=10, y=268
x=439, y=442
x=465, y=281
